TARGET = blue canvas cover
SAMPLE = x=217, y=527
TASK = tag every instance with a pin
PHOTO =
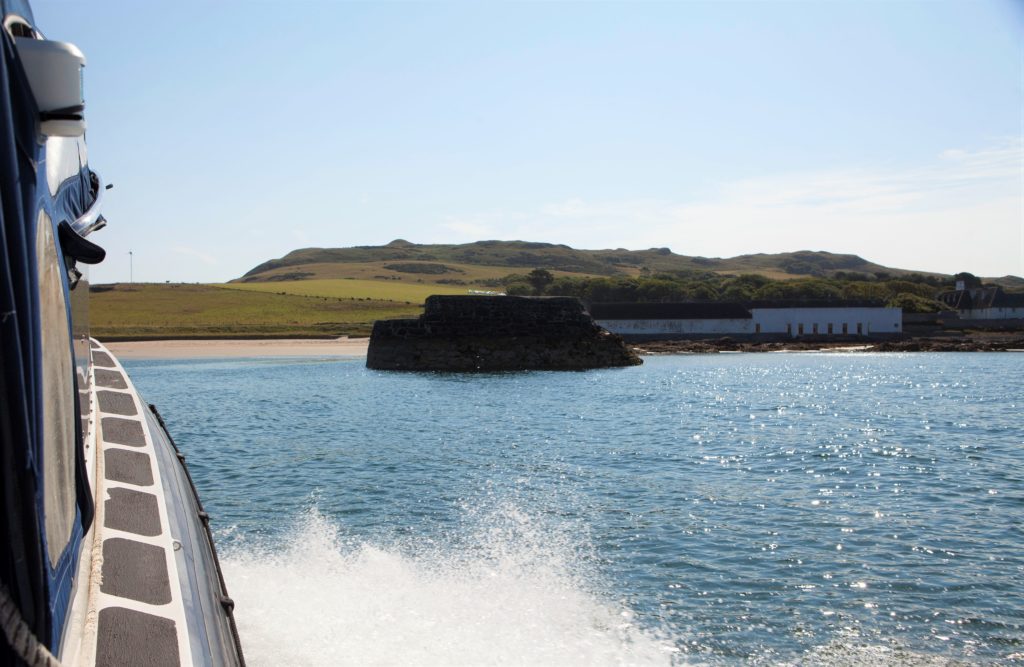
x=41, y=591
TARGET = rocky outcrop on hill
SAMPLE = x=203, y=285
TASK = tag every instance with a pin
x=496, y=333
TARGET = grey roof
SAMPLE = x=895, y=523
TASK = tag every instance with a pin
x=815, y=303
x=694, y=310
x=712, y=310
x=981, y=297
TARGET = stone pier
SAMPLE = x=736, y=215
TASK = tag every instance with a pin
x=496, y=333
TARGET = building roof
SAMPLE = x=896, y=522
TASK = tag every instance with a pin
x=711, y=310
x=693, y=310
x=815, y=303
x=981, y=297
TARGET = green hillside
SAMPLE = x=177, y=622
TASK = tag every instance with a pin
x=483, y=261
x=336, y=291
x=377, y=290
x=156, y=311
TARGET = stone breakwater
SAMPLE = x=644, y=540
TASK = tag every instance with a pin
x=978, y=342
x=496, y=333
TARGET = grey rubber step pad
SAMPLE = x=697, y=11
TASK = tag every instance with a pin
x=116, y=403
x=123, y=432
x=110, y=379
x=136, y=571
x=128, y=637
x=123, y=465
x=132, y=511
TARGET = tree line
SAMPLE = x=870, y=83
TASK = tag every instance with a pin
x=914, y=293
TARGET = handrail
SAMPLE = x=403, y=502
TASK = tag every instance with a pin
x=92, y=220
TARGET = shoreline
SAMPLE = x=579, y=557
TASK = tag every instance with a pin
x=345, y=347
x=978, y=343
x=239, y=348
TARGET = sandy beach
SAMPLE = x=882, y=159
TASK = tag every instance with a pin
x=194, y=349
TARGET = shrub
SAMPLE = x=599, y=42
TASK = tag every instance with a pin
x=912, y=303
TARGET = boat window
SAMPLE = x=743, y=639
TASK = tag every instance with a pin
x=59, y=414
x=19, y=27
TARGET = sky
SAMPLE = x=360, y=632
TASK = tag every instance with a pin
x=235, y=132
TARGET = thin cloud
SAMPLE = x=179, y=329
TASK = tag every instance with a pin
x=962, y=211
x=570, y=208
x=209, y=260
x=467, y=228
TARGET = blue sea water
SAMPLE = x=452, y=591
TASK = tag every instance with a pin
x=763, y=508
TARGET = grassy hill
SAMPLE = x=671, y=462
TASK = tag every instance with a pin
x=476, y=263
x=343, y=288
x=1014, y=283
x=160, y=311
x=337, y=291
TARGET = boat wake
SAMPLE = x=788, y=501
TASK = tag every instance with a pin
x=514, y=595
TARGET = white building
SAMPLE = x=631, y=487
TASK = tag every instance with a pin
x=828, y=321
x=777, y=319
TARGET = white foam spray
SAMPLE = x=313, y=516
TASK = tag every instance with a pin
x=513, y=596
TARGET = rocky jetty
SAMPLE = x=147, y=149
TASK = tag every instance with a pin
x=975, y=342
x=496, y=333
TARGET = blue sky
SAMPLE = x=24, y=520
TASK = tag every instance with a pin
x=235, y=132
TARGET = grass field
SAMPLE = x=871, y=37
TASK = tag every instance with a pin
x=141, y=311
x=384, y=290
x=767, y=273
x=378, y=271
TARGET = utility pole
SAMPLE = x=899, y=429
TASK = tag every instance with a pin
x=131, y=268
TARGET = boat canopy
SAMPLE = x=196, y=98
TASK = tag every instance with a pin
x=47, y=504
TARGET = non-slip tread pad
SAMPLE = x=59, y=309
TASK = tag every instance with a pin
x=132, y=511
x=128, y=637
x=110, y=379
x=123, y=432
x=116, y=403
x=123, y=465
x=136, y=571
x=102, y=359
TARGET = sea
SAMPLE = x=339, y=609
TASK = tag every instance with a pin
x=773, y=508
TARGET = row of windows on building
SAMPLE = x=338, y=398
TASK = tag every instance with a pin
x=814, y=328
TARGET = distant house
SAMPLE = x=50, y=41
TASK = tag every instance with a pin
x=759, y=319
x=984, y=303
